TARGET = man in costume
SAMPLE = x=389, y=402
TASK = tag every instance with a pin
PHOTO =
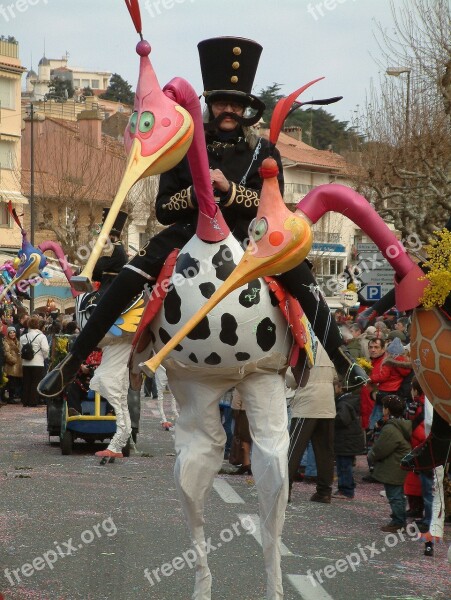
x=235, y=155
x=110, y=379
x=114, y=257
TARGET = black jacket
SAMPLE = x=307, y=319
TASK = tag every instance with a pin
x=176, y=199
x=107, y=267
x=349, y=436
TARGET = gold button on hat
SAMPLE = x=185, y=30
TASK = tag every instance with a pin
x=220, y=66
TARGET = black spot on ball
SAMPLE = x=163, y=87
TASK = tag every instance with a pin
x=213, y=359
x=223, y=263
x=242, y=356
x=172, y=304
x=193, y=357
x=250, y=296
x=228, y=330
x=187, y=265
x=207, y=289
x=201, y=331
x=165, y=337
x=266, y=334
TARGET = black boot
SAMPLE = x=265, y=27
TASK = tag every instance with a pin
x=56, y=380
x=112, y=302
x=352, y=374
x=434, y=451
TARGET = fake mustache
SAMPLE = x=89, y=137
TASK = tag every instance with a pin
x=242, y=121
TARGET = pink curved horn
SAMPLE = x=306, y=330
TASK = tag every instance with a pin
x=62, y=259
x=339, y=198
x=211, y=226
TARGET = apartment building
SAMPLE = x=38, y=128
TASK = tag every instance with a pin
x=11, y=72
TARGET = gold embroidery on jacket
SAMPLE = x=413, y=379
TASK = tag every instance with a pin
x=246, y=196
x=179, y=201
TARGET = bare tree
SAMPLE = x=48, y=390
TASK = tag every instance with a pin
x=405, y=161
x=74, y=179
x=421, y=41
x=141, y=204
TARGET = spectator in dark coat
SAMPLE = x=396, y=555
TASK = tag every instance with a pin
x=386, y=454
x=349, y=439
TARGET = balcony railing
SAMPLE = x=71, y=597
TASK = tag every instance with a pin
x=297, y=189
x=326, y=237
x=9, y=48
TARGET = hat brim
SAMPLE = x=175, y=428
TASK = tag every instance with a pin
x=247, y=100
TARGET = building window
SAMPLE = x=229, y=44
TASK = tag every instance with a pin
x=7, y=93
x=85, y=83
x=76, y=83
x=95, y=84
x=335, y=267
x=7, y=154
x=5, y=217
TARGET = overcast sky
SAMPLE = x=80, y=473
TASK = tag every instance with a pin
x=301, y=40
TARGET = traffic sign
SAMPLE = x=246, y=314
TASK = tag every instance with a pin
x=375, y=292
x=371, y=247
x=377, y=277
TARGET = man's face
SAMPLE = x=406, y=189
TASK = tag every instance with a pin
x=399, y=326
x=375, y=349
x=221, y=106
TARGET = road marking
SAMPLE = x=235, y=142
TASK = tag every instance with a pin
x=307, y=589
x=257, y=532
x=226, y=492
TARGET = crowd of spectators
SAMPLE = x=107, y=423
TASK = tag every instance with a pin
x=19, y=375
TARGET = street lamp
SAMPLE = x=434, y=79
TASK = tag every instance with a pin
x=396, y=72
x=32, y=115
x=32, y=207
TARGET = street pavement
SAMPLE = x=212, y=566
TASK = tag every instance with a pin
x=71, y=529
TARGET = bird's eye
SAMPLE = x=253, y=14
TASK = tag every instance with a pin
x=146, y=122
x=259, y=230
x=132, y=122
x=250, y=229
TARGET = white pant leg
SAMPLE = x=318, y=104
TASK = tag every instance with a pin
x=199, y=444
x=161, y=380
x=437, y=525
x=111, y=381
x=263, y=397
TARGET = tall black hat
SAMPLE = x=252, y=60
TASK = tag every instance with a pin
x=118, y=224
x=228, y=66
